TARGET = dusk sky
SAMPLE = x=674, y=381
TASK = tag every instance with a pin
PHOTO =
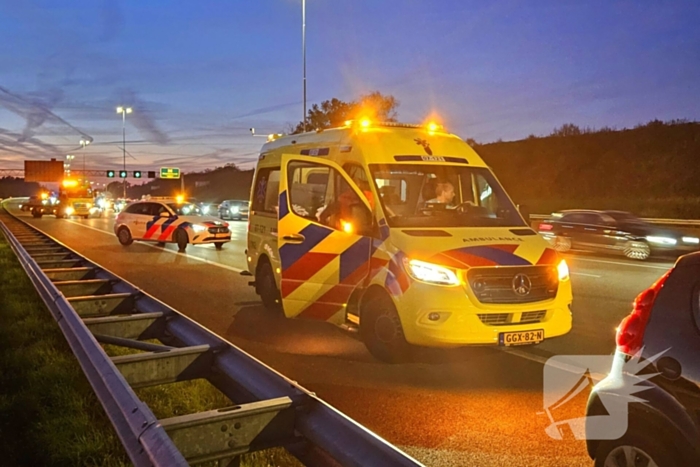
x=199, y=74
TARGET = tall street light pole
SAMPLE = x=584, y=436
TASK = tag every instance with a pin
x=124, y=111
x=84, y=142
x=303, y=47
x=69, y=158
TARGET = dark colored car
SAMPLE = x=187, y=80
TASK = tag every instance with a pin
x=614, y=232
x=34, y=201
x=657, y=361
x=234, y=209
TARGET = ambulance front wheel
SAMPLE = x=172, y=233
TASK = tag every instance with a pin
x=266, y=287
x=381, y=329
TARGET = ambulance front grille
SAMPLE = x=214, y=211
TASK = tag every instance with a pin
x=499, y=284
x=504, y=319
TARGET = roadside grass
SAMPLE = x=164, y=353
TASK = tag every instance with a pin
x=48, y=412
x=49, y=415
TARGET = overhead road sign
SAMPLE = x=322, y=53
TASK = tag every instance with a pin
x=43, y=171
x=169, y=172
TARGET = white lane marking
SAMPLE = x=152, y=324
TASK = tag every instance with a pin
x=156, y=247
x=586, y=275
x=652, y=266
x=554, y=363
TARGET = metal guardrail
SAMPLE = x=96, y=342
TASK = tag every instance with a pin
x=92, y=305
x=676, y=222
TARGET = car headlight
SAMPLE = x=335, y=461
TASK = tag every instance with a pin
x=69, y=210
x=234, y=210
x=198, y=228
x=661, y=240
x=431, y=273
x=694, y=240
x=89, y=205
x=563, y=271
x=205, y=209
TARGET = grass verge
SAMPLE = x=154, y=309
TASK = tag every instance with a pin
x=49, y=414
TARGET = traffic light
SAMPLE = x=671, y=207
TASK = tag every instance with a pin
x=151, y=174
x=122, y=174
x=137, y=174
x=110, y=174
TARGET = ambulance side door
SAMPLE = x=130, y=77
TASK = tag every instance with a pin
x=324, y=240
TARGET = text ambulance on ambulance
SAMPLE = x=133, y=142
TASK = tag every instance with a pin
x=403, y=231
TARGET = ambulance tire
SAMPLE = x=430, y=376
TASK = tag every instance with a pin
x=125, y=237
x=181, y=238
x=266, y=287
x=37, y=213
x=381, y=329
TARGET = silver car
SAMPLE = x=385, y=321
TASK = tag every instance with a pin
x=235, y=209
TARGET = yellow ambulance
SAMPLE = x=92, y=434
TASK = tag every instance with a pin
x=403, y=232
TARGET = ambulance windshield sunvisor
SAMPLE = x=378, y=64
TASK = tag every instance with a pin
x=431, y=195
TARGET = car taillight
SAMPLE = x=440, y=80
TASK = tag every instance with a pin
x=546, y=227
x=630, y=333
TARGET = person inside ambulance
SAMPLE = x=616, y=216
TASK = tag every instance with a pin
x=445, y=194
x=347, y=213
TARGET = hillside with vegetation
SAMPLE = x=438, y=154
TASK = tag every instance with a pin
x=652, y=170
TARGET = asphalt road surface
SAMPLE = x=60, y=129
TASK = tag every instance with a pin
x=470, y=406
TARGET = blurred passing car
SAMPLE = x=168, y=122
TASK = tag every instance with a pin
x=614, y=232
x=659, y=341
x=234, y=209
x=169, y=221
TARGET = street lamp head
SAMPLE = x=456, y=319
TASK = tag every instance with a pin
x=120, y=110
x=128, y=110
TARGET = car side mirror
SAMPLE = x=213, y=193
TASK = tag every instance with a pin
x=165, y=214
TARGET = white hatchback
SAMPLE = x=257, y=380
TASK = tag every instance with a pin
x=169, y=221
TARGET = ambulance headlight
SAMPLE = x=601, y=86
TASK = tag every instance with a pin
x=431, y=273
x=199, y=228
x=69, y=211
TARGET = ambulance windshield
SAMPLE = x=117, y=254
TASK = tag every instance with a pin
x=427, y=195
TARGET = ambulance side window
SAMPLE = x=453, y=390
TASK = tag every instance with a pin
x=308, y=188
x=266, y=191
x=321, y=194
